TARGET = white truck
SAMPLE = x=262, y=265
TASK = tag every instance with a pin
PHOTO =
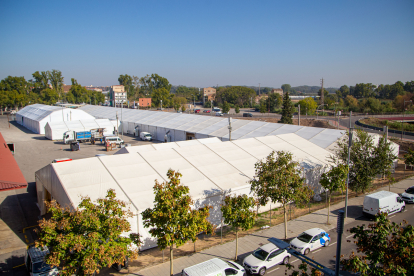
x=384, y=202
x=214, y=267
x=34, y=261
x=145, y=136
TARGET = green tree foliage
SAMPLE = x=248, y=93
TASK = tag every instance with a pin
x=363, y=164
x=308, y=105
x=79, y=94
x=235, y=95
x=384, y=156
x=126, y=80
x=409, y=86
x=177, y=102
x=190, y=93
x=56, y=80
x=403, y=101
x=287, y=111
x=149, y=84
x=273, y=102
x=384, y=248
x=325, y=94
x=89, y=238
x=164, y=95
x=172, y=221
x=409, y=158
x=41, y=81
x=238, y=213
x=286, y=88
x=351, y=103
x=237, y=109
x=342, y=92
x=334, y=180
x=364, y=90
x=226, y=107
x=278, y=179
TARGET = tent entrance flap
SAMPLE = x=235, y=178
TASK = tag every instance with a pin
x=189, y=136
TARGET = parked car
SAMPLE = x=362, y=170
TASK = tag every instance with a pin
x=145, y=136
x=408, y=195
x=34, y=260
x=247, y=115
x=382, y=201
x=219, y=114
x=206, y=110
x=114, y=139
x=264, y=258
x=197, y=111
x=310, y=240
x=12, y=112
x=214, y=267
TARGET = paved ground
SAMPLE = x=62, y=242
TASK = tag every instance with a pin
x=250, y=242
x=18, y=209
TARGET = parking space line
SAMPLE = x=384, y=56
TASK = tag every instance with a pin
x=332, y=243
x=391, y=216
x=349, y=236
x=273, y=270
x=295, y=261
x=317, y=250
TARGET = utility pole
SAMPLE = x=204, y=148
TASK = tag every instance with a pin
x=349, y=157
x=229, y=127
x=299, y=115
x=322, y=98
x=259, y=88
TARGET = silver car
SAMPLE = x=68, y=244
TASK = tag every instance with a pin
x=264, y=258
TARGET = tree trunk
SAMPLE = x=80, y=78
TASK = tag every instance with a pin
x=195, y=247
x=237, y=243
x=329, y=208
x=285, y=214
x=171, y=260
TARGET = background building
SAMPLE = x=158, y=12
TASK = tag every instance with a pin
x=209, y=94
x=144, y=102
x=117, y=95
x=277, y=91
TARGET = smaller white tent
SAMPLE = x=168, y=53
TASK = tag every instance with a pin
x=35, y=117
x=54, y=130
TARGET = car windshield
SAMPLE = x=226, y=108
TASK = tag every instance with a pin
x=148, y=135
x=410, y=191
x=40, y=267
x=305, y=237
x=260, y=254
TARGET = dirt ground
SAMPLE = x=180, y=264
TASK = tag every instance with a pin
x=303, y=122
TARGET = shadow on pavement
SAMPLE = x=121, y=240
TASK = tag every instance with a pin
x=13, y=266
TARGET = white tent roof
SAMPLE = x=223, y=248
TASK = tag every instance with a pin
x=204, y=126
x=55, y=130
x=36, y=116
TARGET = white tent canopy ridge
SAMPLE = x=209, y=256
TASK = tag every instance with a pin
x=182, y=127
x=35, y=117
x=210, y=168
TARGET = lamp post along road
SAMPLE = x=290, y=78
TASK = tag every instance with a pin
x=349, y=156
x=299, y=115
x=317, y=110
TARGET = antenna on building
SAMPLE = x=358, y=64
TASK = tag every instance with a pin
x=322, y=94
x=259, y=88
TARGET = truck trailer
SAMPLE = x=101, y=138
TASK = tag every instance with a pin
x=76, y=136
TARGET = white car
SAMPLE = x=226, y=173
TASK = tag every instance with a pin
x=408, y=196
x=310, y=240
x=219, y=114
x=264, y=258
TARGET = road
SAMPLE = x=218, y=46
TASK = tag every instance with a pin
x=326, y=255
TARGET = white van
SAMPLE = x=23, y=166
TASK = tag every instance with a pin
x=384, y=202
x=214, y=267
x=145, y=136
x=114, y=139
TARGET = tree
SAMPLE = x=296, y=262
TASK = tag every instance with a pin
x=226, y=107
x=286, y=88
x=409, y=158
x=237, y=109
x=273, y=102
x=89, y=238
x=384, y=156
x=237, y=212
x=351, y=102
x=333, y=181
x=278, y=179
x=287, y=111
x=385, y=247
x=161, y=94
x=56, y=80
x=363, y=160
x=236, y=95
x=126, y=81
x=307, y=106
x=172, y=221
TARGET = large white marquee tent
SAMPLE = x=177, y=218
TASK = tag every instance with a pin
x=35, y=117
x=210, y=168
x=55, y=130
x=191, y=126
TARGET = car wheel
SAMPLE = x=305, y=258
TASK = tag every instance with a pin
x=402, y=209
x=306, y=251
x=262, y=271
x=326, y=243
x=286, y=260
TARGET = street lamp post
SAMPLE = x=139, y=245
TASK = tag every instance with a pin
x=402, y=123
x=317, y=110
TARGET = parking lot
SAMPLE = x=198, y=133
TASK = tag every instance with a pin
x=18, y=210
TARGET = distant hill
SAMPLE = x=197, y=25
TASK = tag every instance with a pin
x=313, y=89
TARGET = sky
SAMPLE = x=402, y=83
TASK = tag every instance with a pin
x=208, y=43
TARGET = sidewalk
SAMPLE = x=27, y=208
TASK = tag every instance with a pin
x=250, y=242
